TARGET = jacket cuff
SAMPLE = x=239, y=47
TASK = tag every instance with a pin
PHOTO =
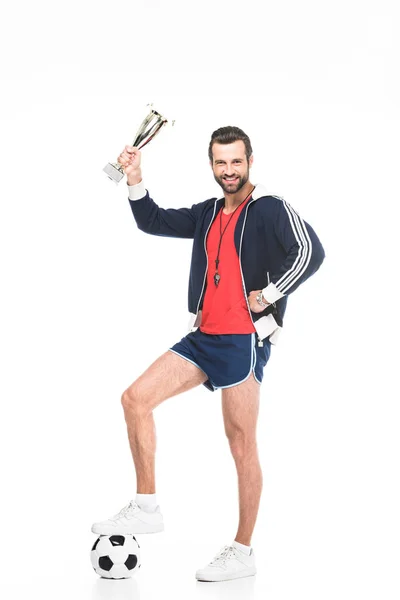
x=136, y=192
x=271, y=293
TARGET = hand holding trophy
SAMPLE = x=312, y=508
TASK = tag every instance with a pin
x=146, y=132
x=130, y=159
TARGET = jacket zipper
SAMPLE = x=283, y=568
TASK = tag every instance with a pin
x=260, y=342
x=205, y=250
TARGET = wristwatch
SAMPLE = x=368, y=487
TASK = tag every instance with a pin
x=260, y=300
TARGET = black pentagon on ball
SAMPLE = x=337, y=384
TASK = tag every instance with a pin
x=117, y=540
x=131, y=562
x=105, y=563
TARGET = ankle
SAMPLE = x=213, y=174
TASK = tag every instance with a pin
x=246, y=548
x=147, y=502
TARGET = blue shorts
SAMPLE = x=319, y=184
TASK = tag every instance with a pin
x=227, y=359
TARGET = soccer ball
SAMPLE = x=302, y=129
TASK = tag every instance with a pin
x=115, y=556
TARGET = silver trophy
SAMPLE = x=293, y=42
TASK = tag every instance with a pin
x=146, y=132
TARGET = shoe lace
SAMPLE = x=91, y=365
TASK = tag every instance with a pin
x=130, y=508
x=225, y=554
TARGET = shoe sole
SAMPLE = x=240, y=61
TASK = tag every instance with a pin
x=226, y=577
x=120, y=531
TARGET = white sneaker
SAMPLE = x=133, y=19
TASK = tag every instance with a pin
x=229, y=563
x=131, y=519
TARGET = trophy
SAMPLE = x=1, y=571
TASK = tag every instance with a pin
x=146, y=132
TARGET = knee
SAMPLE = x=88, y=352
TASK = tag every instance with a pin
x=130, y=400
x=241, y=445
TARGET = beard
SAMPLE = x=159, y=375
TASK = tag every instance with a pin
x=232, y=188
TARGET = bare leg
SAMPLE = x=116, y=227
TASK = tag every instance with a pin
x=168, y=376
x=240, y=406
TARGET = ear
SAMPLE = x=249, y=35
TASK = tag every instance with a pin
x=251, y=159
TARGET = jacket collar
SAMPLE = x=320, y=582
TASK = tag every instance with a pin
x=259, y=191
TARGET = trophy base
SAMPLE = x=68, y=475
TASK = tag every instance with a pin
x=114, y=172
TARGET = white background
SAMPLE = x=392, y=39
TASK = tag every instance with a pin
x=316, y=87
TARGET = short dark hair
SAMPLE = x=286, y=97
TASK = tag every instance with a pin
x=228, y=135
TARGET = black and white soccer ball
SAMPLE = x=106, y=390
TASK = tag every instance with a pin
x=115, y=556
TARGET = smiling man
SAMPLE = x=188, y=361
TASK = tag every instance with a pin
x=250, y=251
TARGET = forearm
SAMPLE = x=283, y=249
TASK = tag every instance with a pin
x=304, y=253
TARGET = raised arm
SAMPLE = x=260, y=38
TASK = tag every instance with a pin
x=149, y=217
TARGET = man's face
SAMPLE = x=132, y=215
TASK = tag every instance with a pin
x=230, y=166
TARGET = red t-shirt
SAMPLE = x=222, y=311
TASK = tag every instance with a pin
x=224, y=306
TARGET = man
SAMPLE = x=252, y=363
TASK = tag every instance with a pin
x=250, y=251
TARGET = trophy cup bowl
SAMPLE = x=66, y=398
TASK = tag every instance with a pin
x=147, y=131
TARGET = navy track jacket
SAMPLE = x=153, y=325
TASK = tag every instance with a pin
x=277, y=250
